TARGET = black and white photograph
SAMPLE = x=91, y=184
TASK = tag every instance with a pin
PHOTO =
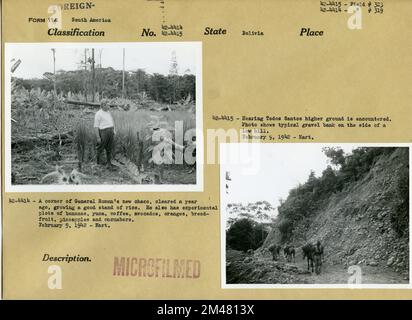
x=115, y=116
x=315, y=215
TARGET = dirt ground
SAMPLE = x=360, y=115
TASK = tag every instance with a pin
x=248, y=269
x=30, y=165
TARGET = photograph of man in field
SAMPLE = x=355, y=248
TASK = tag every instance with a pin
x=103, y=114
x=105, y=131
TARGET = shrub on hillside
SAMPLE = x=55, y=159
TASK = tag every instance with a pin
x=285, y=227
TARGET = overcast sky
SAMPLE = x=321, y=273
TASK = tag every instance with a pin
x=153, y=57
x=279, y=168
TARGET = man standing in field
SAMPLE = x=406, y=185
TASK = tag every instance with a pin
x=105, y=131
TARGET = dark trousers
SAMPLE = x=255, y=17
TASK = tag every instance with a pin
x=106, y=143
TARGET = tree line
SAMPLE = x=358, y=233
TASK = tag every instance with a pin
x=108, y=82
x=245, y=234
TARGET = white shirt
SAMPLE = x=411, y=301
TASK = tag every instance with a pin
x=103, y=120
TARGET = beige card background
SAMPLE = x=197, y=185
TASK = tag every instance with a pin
x=351, y=72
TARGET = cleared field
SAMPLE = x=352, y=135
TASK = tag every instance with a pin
x=47, y=132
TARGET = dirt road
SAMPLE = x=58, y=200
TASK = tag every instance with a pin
x=339, y=274
x=242, y=268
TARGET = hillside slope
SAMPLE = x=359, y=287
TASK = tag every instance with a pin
x=356, y=225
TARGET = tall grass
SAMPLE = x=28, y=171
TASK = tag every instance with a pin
x=85, y=141
x=133, y=134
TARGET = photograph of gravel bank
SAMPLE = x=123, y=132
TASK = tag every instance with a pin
x=313, y=214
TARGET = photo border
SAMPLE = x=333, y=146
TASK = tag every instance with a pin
x=198, y=187
x=224, y=285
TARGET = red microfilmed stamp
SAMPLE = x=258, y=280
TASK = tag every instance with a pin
x=156, y=267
